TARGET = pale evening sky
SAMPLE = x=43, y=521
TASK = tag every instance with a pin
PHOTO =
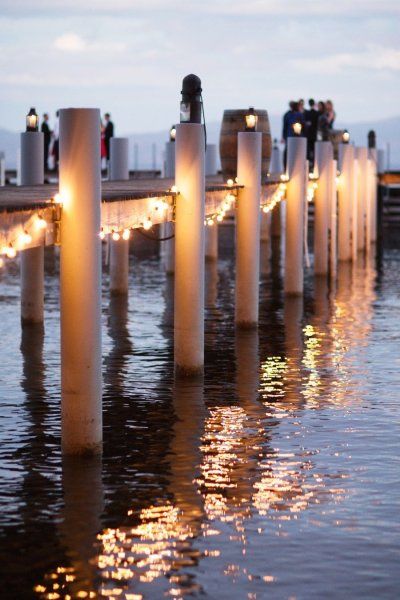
x=129, y=56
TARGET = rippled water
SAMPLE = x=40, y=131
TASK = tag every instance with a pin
x=275, y=477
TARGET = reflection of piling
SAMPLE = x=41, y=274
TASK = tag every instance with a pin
x=32, y=259
x=362, y=195
x=80, y=275
x=211, y=284
x=81, y=518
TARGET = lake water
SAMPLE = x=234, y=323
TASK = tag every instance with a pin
x=277, y=476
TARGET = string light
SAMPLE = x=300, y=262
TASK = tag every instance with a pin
x=41, y=223
x=210, y=222
x=229, y=182
x=115, y=236
x=11, y=252
x=147, y=224
x=126, y=234
x=102, y=234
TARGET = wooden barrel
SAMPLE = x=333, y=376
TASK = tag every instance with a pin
x=234, y=121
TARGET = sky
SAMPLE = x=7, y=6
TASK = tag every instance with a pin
x=128, y=57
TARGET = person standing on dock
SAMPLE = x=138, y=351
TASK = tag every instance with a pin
x=56, y=141
x=45, y=129
x=108, y=133
x=311, y=118
x=291, y=119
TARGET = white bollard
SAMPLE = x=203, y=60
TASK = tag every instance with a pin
x=295, y=206
x=32, y=259
x=119, y=159
x=170, y=160
x=80, y=279
x=248, y=229
x=333, y=210
x=189, y=249
x=373, y=193
x=381, y=161
x=119, y=249
x=211, y=242
x=323, y=166
x=2, y=169
x=276, y=168
x=346, y=199
x=211, y=160
x=354, y=211
x=362, y=196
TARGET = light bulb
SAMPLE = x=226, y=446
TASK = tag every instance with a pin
x=11, y=252
x=41, y=223
x=174, y=189
x=229, y=183
x=25, y=238
x=115, y=236
x=102, y=234
x=126, y=234
x=266, y=209
x=210, y=222
x=220, y=217
x=147, y=224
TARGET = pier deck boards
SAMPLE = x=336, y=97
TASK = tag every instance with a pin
x=19, y=198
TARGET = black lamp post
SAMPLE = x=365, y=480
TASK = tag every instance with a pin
x=371, y=139
x=32, y=120
x=191, y=103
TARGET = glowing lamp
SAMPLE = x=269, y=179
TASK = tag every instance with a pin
x=297, y=127
x=126, y=234
x=172, y=133
x=115, y=236
x=251, y=120
x=345, y=137
x=32, y=120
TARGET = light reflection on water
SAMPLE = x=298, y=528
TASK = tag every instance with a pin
x=253, y=483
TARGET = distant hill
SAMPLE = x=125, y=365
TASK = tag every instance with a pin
x=387, y=131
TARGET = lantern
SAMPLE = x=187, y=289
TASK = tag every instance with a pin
x=345, y=137
x=32, y=120
x=297, y=127
x=172, y=133
x=192, y=103
x=251, y=120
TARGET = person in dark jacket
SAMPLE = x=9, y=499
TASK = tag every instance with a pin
x=108, y=133
x=45, y=129
x=291, y=118
x=311, y=118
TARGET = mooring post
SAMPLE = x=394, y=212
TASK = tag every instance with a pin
x=333, y=225
x=32, y=259
x=373, y=194
x=119, y=248
x=346, y=199
x=211, y=241
x=167, y=229
x=362, y=196
x=2, y=169
x=323, y=166
x=275, y=171
x=80, y=281
x=248, y=229
x=189, y=232
x=295, y=206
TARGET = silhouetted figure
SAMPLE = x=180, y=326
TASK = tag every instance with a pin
x=330, y=113
x=323, y=122
x=311, y=118
x=290, y=118
x=45, y=129
x=108, y=133
x=56, y=141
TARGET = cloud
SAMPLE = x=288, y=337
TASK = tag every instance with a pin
x=374, y=57
x=70, y=42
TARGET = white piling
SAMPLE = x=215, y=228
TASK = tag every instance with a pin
x=189, y=249
x=211, y=242
x=170, y=160
x=211, y=160
x=354, y=211
x=333, y=210
x=295, y=206
x=32, y=259
x=345, y=200
x=80, y=278
x=2, y=169
x=119, y=249
x=323, y=166
x=373, y=193
x=362, y=196
x=248, y=229
x=275, y=170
